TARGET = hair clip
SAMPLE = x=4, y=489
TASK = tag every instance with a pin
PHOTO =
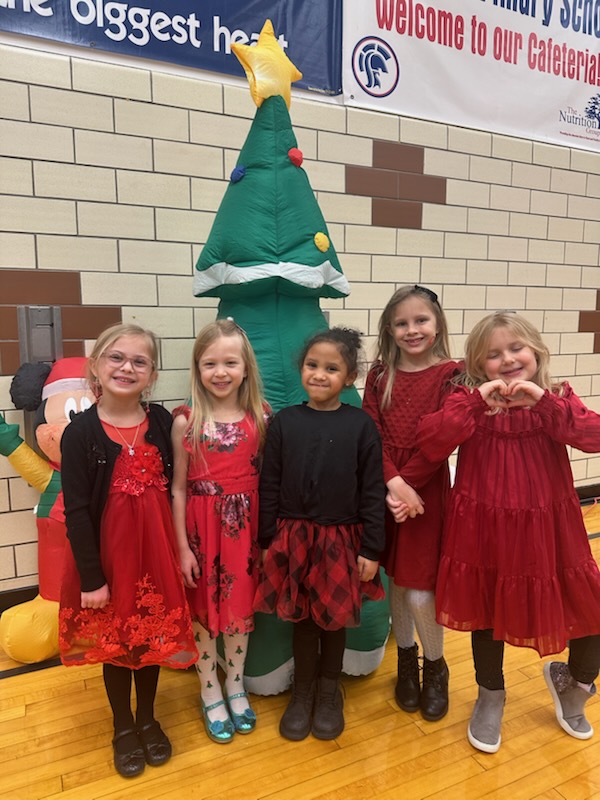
x=505, y=311
x=239, y=327
x=430, y=294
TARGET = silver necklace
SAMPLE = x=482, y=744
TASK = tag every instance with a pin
x=121, y=437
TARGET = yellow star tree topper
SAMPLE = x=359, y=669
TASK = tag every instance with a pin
x=269, y=71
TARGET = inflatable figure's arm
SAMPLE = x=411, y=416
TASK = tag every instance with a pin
x=30, y=466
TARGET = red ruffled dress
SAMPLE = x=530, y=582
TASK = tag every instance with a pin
x=147, y=621
x=412, y=552
x=222, y=524
x=515, y=552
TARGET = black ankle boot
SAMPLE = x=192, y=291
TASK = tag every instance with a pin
x=407, y=690
x=328, y=718
x=434, y=695
x=297, y=718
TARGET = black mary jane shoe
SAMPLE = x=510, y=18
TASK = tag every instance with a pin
x=155, y=743
x=131, y=763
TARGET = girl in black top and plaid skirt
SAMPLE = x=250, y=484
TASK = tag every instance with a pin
x=322, y=500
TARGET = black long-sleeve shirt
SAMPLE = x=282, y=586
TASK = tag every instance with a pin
x=325, y=466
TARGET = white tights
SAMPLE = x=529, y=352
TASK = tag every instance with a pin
x=416, y=608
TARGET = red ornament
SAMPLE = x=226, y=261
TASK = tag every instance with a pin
x=295, y=156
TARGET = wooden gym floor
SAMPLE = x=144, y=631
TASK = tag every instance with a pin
x=55, y=731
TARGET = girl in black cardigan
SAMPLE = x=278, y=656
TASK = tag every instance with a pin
x=122, y=601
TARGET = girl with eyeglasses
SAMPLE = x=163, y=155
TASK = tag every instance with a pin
x=409, y=378
x=123, y=601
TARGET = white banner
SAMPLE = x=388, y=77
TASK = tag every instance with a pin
x=528, y=68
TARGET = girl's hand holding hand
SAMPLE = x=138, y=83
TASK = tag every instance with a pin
x=189, y=568
x=398, y=509
x=399, y=490
x=96, y=599
x=367, y=569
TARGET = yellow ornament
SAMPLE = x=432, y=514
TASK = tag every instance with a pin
x=269, y=71
x=322, y=241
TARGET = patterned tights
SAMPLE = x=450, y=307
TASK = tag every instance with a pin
x=236, y=647
x=416, y=608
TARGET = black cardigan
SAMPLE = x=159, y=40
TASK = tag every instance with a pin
x=88, y=460
x=325, y=466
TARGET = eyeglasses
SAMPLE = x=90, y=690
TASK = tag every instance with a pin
x=139, y=363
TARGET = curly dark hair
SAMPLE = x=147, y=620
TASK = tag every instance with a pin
x=347, y=341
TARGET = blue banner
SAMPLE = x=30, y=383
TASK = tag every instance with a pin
x=194, y=33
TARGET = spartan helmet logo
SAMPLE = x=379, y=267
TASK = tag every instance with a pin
x=375, y=66
x=371, y=61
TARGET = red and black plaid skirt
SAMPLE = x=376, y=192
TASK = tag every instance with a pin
x=310, y=571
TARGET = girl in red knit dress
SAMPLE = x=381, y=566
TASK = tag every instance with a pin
x=409, y=379
x=516, y=564
x=122, y=600
x=217, y=444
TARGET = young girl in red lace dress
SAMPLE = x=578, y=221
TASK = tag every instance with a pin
x=123, y=602
x=217, y=443
x=410, y=378
x=516, y=564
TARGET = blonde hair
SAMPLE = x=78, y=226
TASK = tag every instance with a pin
x=477, y=348
x=107, y=338
x=388, y=352
x=250, y=396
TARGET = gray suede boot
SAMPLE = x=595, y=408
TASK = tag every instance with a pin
x=486, y=720
x=569, y=700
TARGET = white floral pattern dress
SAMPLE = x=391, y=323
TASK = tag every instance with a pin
x=222, y=524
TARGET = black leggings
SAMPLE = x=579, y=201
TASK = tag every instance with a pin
x=118, y=688
x=488, y=655
x=307, y=665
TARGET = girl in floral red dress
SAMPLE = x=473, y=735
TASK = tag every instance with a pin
x=516, y=564
x=123, y=602
x=217, y=443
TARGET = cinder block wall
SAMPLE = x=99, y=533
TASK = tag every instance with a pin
x=110, y=177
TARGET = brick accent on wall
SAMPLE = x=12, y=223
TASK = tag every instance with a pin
x=589, y=322
x=48, y=288
x=397, y=185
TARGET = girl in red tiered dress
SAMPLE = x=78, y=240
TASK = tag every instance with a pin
x=409, y=379
x=217, y=443
x=122, y=600
x=516, y=564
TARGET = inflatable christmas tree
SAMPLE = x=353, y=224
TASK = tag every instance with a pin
x=269, y=259
x=269, y=256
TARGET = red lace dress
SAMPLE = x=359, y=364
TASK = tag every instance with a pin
x=412, y=551
x=222, y=525
x=515, y=552
x=147, y=620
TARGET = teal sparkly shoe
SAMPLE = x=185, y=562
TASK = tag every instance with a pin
x=244, y=722
x=220, y=731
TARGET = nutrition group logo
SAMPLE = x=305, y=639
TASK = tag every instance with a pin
x=375, y=66
x=581, y=124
